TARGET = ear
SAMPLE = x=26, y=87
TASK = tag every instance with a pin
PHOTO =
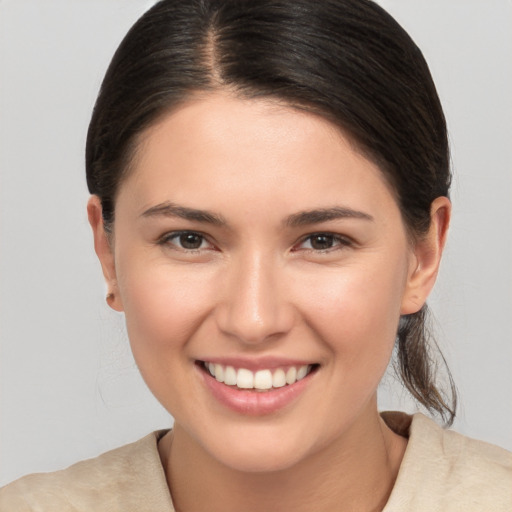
x=426, y=259
x=103, y=246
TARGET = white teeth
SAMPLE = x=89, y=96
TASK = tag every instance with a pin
x=278, y=379
x=301, y=372
x=263, y=379
x=230, y=376
x=291, y=375
x=245, y=379
x=219, y=373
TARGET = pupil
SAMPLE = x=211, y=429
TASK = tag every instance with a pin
x=322, y=242
x=190, y=241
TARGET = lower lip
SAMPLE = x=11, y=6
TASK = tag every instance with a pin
x=252, y=402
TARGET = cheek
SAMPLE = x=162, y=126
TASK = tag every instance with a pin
x=163, y=307
x=356, y=310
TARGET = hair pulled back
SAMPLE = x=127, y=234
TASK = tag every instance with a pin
x=347, y=60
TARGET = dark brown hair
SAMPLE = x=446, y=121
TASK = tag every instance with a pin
x=347, y=60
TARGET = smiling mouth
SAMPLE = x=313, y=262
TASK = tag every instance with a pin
x=260, y=380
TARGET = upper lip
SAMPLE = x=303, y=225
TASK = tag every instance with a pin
x=255, y=364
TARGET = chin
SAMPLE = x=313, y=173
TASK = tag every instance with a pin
x=254, y=461
x=261, y=449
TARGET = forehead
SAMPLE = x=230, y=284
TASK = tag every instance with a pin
x=219, y=146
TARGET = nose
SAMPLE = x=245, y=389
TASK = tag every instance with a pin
x=254, y=305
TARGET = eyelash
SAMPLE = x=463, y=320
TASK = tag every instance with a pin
x=339, y=242
x=168, y=239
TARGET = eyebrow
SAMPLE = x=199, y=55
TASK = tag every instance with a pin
x=304, y=218
x=325, y=214
x=169, y=209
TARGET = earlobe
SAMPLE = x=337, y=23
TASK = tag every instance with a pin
x=104, y=251
x=427, y=258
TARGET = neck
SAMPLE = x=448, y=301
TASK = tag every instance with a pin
x=355, y=472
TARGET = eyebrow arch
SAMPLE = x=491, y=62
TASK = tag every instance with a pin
x=325, y=214
x=168, y=209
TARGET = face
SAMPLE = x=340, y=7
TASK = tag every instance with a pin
x=254, y=243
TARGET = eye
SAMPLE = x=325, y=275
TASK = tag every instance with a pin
x=323, y=242
x=186, y=240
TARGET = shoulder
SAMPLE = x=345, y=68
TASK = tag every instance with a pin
x=443, y=470
x=127, y=478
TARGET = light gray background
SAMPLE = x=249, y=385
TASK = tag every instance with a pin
x=69, y=388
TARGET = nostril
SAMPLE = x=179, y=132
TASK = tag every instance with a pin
x=252, y=326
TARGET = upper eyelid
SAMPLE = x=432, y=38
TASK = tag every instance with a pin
x=169, y=235
x=343, y=241
x=178, y=232
x=336, y=236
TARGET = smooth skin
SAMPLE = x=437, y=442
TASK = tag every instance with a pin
x=255, y=276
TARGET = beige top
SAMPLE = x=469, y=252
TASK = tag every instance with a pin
x=442, y=471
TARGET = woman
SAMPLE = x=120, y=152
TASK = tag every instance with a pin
x=269, y=205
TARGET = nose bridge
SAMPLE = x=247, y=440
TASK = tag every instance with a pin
x=254, y=306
